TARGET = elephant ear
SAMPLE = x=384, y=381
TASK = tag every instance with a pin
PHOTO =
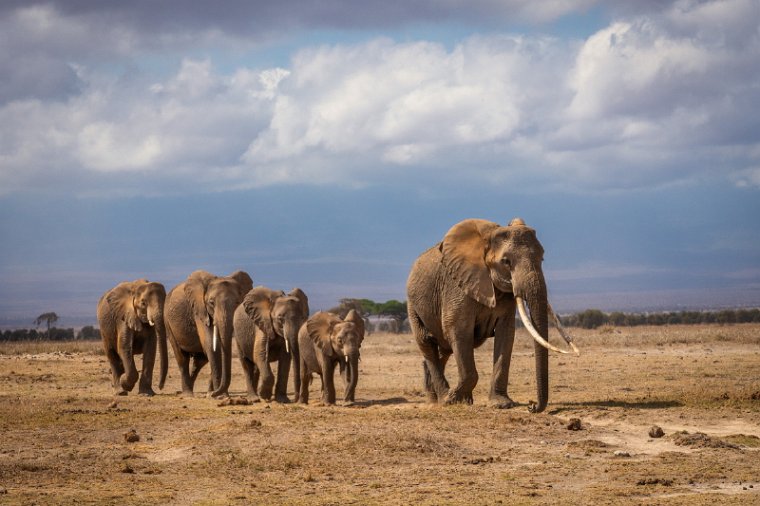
x=244, y=281
x=320, y=328
x=258, y=306
x=195, y=291
x=121, y=299
x=303, y=301
x=358, y=321
x=463, y=255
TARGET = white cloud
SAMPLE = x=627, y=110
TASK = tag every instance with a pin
x=649, y=100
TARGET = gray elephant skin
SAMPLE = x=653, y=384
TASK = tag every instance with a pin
x=199, y=324
x=131, y=319
x=266, y=328
x=326, y=340
x=463, y=291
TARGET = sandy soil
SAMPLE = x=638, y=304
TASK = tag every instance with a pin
x=64, y=439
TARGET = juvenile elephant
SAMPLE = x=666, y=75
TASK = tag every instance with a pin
x=266, y=330
x=131, y=318
x=326, y=340
x=199, y=313
x=464, y=290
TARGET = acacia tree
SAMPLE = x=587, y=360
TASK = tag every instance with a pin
x=48, y=318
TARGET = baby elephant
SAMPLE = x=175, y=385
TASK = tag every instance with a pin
x=324, y=341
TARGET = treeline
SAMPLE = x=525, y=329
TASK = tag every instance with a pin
x=366, y=307
x=53, y=334
x=593, y=318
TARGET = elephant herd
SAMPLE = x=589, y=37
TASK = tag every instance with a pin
x=460, y=292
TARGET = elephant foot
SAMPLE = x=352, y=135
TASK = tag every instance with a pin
x=282, y=399
x=146, y=393
x=253, y=398
x=187, y=394
x=502, y=402
x=432, y=397
x=121, y=392
x=218, y=395
x=458, y=398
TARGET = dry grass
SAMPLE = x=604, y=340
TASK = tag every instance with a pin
x=63, y=440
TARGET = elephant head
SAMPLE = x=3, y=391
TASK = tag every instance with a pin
x=339, y=340
x=486, y=260
x=213, y=300
x=140, y=304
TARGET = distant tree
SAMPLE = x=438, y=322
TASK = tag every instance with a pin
x=89, y=332
x=48, y=318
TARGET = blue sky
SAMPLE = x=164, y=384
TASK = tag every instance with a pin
x=326, y=145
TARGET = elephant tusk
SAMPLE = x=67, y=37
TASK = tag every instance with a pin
x=151, y=323
x=567, y=337
x=216, y=337
x=532, y=330
x=346, y=358
x=287, y=346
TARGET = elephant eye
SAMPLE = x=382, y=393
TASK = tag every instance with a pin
x=505, y=261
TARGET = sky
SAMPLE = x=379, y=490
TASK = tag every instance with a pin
x=327, y=144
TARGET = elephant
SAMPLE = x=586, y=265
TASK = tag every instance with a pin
x=463, y=291
x=131, y=319
x=266, y=328
x=326, y=340
x=199, y=318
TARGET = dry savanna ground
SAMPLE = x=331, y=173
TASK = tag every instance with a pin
x=63, y=436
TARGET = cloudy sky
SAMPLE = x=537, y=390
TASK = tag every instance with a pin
x=326, y=144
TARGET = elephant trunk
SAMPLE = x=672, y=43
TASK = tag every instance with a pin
x=223, y=324
x=290, y=331
x=163, y=355
x=352, y=362
x=536, y=297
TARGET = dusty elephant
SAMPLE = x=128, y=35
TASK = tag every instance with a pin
x=266, y=330
x=199, y=323
x=326, y=340
x=131, y=319
x=464, y=290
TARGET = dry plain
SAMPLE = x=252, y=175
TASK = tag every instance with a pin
x=63, y=437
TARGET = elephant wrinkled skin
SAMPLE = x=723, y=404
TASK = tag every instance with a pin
x=463, y=291
x=266, y=330
x=326, y=340
x=131, y=319
x=199, y=323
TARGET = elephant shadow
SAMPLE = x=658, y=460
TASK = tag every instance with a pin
x=611, y=403
x=380, y=402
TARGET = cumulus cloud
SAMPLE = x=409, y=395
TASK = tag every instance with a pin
x=648, y=100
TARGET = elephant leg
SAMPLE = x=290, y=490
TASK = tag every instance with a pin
x=183, y=362
x=328, y=382
x=149, y=360
x=504, y=340
x=129, y=378
x=303, y=396
x=283, y=371
x=249, y=372
x=263, y=369
x=464, y=356
x=435, y=382
x=117, y=369
x=214, y=358
x=199, y=361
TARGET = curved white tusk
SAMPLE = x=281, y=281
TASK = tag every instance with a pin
x=216, y=337
x=151, y=322
x=287, y=346
x=567, y=337
x=532, y=330
x=346, y=358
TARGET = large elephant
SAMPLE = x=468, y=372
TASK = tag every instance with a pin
x=326, y=340
x=131, y=318
x=463, y=291
x=266, y=330
x=199, y=313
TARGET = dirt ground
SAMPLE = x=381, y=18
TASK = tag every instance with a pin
x=63, y=439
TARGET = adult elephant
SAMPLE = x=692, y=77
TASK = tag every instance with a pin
x=131, y=319
x=327, y=340
x=463, y=291
x=199, y=313
x=266, y=330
